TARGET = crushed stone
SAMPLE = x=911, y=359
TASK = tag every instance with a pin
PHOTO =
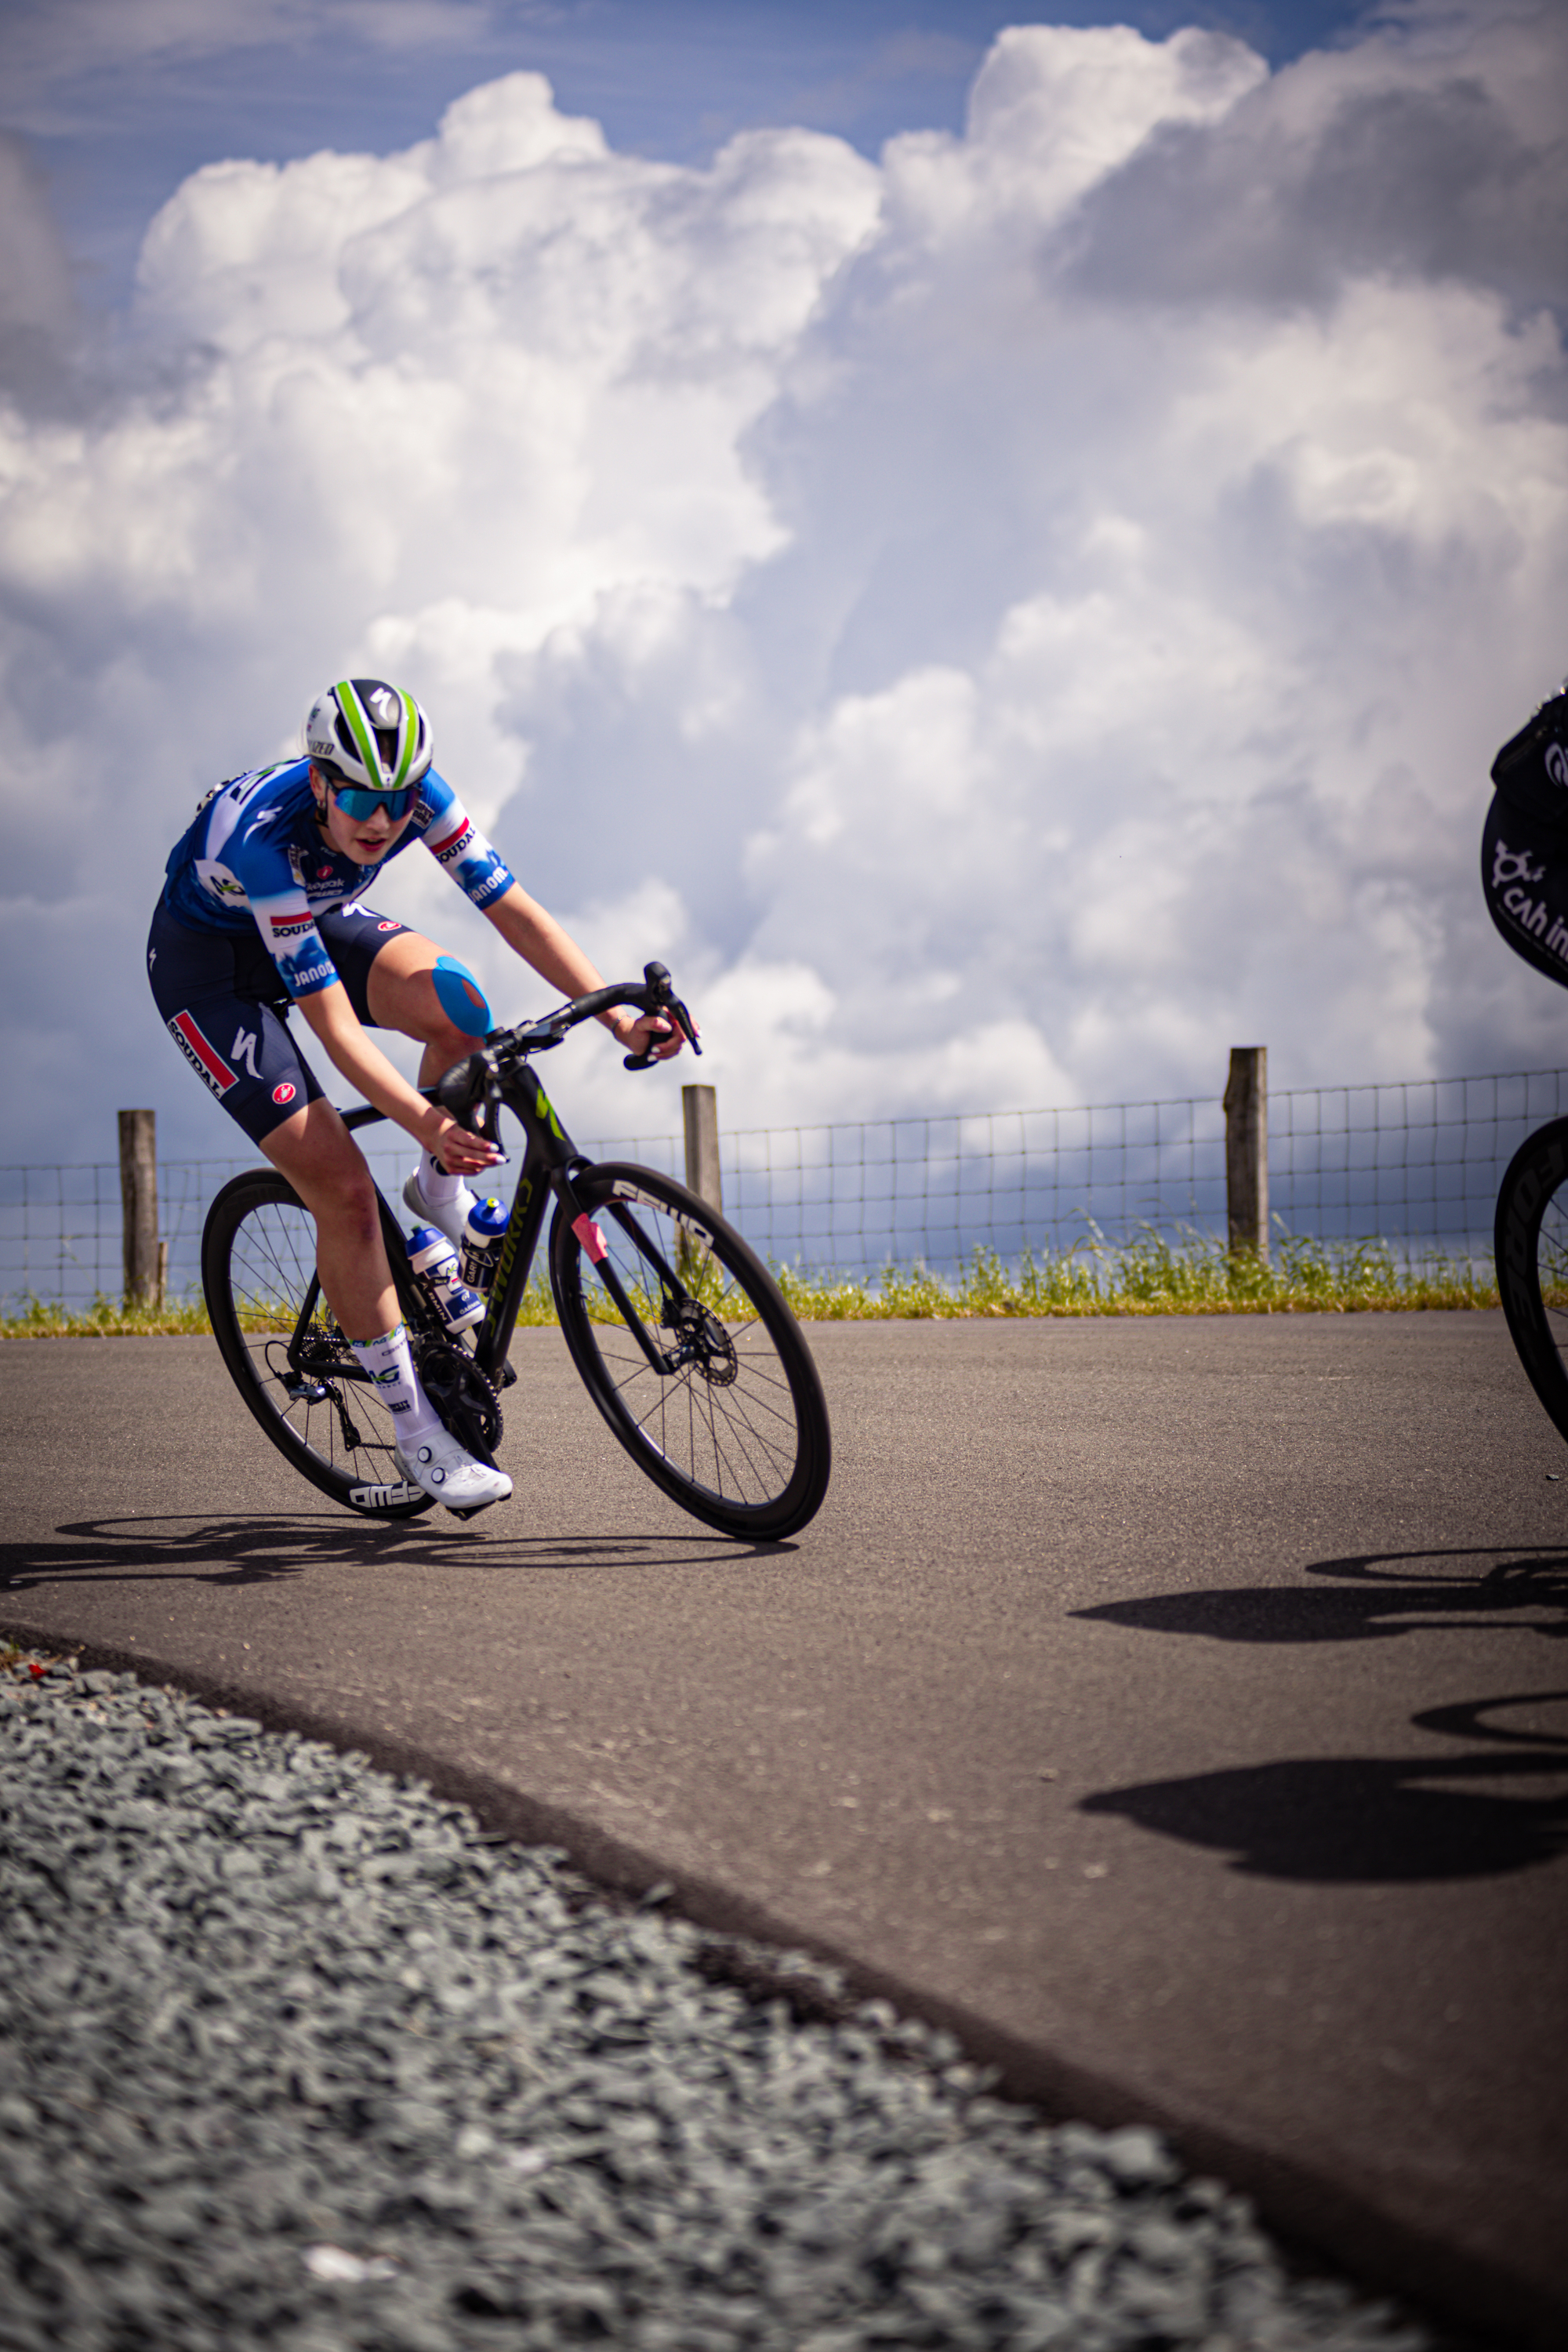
x=291, y=2053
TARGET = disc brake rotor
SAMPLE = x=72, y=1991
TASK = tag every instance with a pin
x=704, y=1342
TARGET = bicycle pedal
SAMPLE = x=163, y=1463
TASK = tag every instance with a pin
x=474, y=1509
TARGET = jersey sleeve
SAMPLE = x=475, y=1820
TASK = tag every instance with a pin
x=455, y=843
x=267, y=865
x=294, y=942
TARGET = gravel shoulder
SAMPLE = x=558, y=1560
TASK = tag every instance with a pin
x=292, y=2054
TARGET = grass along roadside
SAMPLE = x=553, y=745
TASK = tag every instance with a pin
x=1149, y=1275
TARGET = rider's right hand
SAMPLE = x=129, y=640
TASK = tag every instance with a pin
x=460, y=1151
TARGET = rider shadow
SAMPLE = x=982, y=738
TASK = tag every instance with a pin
x=1378, y=1602
x=270, y=1549
x=1375, y=1820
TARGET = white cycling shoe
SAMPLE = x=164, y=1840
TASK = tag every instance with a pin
x=447, y=1216
x=436, y=1461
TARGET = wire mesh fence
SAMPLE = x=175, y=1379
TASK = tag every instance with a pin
x=61, y=1237
x=1415, y=1164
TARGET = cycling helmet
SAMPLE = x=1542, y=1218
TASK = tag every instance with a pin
x=365, y=731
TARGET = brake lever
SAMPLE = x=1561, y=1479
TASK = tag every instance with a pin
x=473, y=1106
x=664, y=1002
x=487, y=1110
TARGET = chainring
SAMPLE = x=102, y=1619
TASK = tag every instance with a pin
x=461, y=1394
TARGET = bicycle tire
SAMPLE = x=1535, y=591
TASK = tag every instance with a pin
x=737, y=1434
x=258, y=1260
x=1531, y=1238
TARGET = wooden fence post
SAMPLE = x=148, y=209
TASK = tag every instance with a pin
x=1247, y=1151
x=700, y=1106
x=138, y=1201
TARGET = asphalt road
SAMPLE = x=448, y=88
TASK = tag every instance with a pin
x=1170, y=1704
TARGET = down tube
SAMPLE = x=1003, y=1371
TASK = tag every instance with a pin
x=518, y=1243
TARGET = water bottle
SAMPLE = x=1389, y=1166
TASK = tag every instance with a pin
x=434, y=1262
x=482, y=1229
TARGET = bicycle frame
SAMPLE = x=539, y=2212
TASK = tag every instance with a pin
x=679, y=1334
x=550, y=1159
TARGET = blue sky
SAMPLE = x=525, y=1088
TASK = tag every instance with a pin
x=120, y=99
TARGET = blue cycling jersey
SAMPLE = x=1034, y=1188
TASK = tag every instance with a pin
x=255, y=855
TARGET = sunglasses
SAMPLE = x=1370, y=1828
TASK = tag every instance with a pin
x=360, y=801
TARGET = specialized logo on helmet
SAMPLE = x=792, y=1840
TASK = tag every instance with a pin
x=370, y=734
x=1557, y=764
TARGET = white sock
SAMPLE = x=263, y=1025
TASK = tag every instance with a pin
x=434, y=1182
x=390, y=1367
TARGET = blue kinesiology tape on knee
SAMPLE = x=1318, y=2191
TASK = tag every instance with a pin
x=462, y=997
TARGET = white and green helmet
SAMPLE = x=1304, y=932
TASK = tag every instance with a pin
x=368, y=733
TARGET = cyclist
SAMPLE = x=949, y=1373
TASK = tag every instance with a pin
x=261, y=911
x=1524, y=848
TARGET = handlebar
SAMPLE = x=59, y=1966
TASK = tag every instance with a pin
x=469, y=1089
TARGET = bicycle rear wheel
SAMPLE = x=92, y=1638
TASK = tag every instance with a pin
x=258, y=1272
x=733, y=1424
x=1532, y=1241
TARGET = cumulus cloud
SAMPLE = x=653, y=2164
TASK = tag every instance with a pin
x=38, y=321
x=1420, y=159
x=1005, y=623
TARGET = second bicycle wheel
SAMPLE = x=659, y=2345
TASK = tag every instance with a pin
x=1532, y=1241
x=711, y=1388
x=258, y=1272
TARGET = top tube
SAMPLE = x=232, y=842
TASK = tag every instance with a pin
x=652, y=994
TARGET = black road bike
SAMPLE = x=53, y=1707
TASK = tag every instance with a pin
x=682, y=1337
x=1531, y=1241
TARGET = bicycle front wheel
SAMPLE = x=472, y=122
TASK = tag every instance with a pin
x=690, y=1352
x=258, y=1275
x=1532, y=1240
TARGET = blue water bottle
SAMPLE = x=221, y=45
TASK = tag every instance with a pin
x=435, y=1263
x=482, y=1229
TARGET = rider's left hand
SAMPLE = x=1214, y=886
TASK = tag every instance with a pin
x=650, y=1032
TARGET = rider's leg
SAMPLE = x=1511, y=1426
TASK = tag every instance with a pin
x=327, y=1169
x=212, y=990
x=414, y=988
x=411, y=987
x=322, y=1161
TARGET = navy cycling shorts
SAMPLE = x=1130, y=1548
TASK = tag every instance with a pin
x=228, y=1012
x=1524, y=875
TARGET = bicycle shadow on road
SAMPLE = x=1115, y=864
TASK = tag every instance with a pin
x=1384, y=1594
x=271, y=1549
x=1376, y=1820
